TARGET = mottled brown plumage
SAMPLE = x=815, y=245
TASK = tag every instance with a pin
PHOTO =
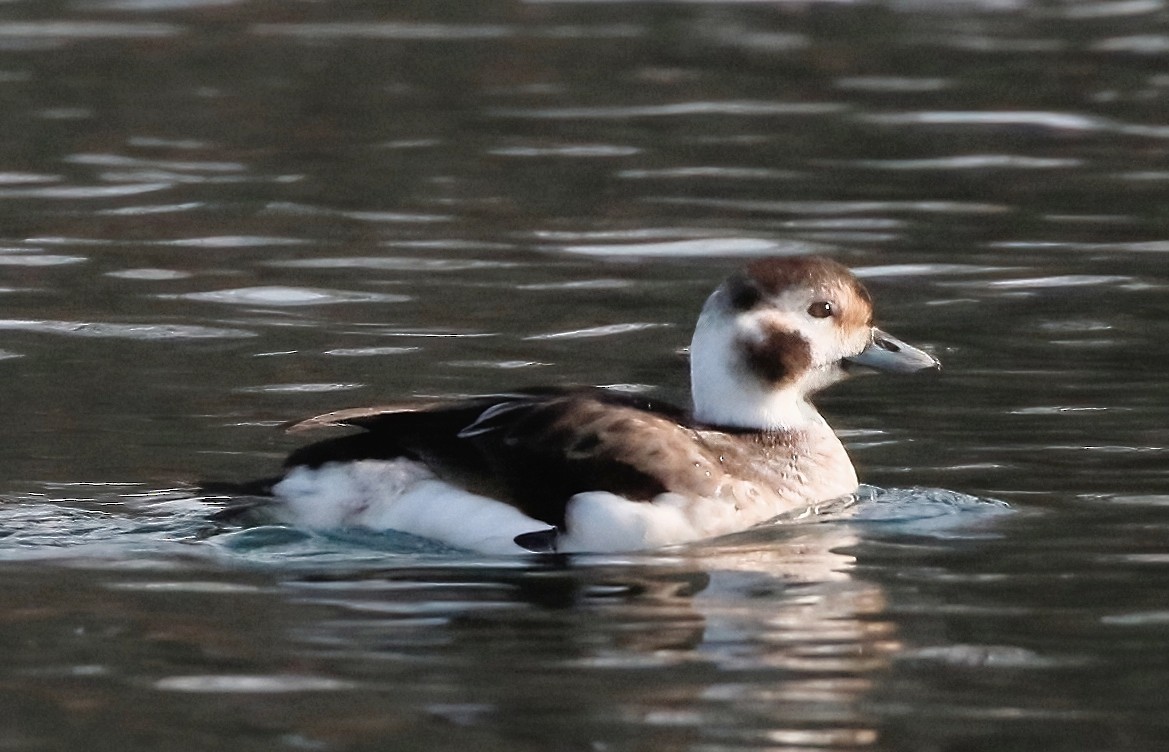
x=536, y=450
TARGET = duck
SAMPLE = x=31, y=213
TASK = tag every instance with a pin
x=594, y=469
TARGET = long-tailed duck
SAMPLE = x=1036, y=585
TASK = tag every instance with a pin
x=591, y=469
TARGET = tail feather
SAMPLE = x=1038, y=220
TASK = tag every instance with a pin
x=261, y=487
x=244, y=498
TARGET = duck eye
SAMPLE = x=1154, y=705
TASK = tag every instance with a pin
x=821, y=309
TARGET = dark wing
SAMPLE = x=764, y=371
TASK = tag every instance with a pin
x=534, y=449
x=546, y=451
x=426, y=432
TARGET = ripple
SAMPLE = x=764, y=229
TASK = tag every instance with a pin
x=715, y=172
x=64, y=240
x=123, y=331
x=598, y=331
x=122, y=160
x=234, y=241
x=149, y=274
x=308, y=388
x=407, y=32
x=429, y=334
x=400, y=31
x=26, y=178
x=1146, y=246
x=1138, y=619
x=1141, y=44
x=980, y=656
x=275, y=295
x=1062, y=410
x=1148, y=176
x=505, y=365
x=756, y=40
x=1153, y=500
x=311, y=210
x=365, y=352
x=1057, y=121
x=846, y=223
x=1076, y=326
x=969, y=162
x=394, y=263
x=695, y=248
x=590, y=31
x=85, y=191
x=836, y=207
x=1111, y=8
x=158, y=175
x=634, y=234
x=135, y=211
x=411, y=143
x=579, y=284
x=187, y=586
x=87, y=30
x=931, y=512
x=567, y=150
x=39, y=259
x=158, y=142
x=396, y=217
x=144, y=6
x=1053, y=120
x=1062, y=280
x=1111, y=449
x=748, y=108
x=251, y=683
x=923, y=270
x=998, y=45
x=894, y=84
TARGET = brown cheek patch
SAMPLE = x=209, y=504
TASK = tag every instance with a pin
x=779, y=357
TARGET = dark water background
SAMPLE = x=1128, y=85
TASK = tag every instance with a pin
x=217, y=216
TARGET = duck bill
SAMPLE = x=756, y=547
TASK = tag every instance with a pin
x=887, y=353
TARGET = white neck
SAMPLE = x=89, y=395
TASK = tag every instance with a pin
x=726, y=394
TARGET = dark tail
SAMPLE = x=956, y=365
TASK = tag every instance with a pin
x=245, y=499
x=262, y=487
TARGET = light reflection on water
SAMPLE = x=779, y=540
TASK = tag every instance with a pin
x=792, y=638
x=220, y=218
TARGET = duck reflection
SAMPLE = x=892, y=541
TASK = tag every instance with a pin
x=766, y=639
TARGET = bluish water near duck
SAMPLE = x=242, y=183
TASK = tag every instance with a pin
x=220, y=216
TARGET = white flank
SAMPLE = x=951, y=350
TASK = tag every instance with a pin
x=401, y=495
x=724, y=393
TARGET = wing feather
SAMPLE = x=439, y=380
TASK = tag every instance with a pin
x=534, y=449
x=362, y=417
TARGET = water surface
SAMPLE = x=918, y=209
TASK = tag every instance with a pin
x=220, y=216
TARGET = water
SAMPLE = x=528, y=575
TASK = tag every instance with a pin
x=219, y=216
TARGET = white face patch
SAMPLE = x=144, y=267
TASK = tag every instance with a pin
x=828, y=339
x=756, y=368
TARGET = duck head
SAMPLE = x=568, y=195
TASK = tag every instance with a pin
x=778, y=331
